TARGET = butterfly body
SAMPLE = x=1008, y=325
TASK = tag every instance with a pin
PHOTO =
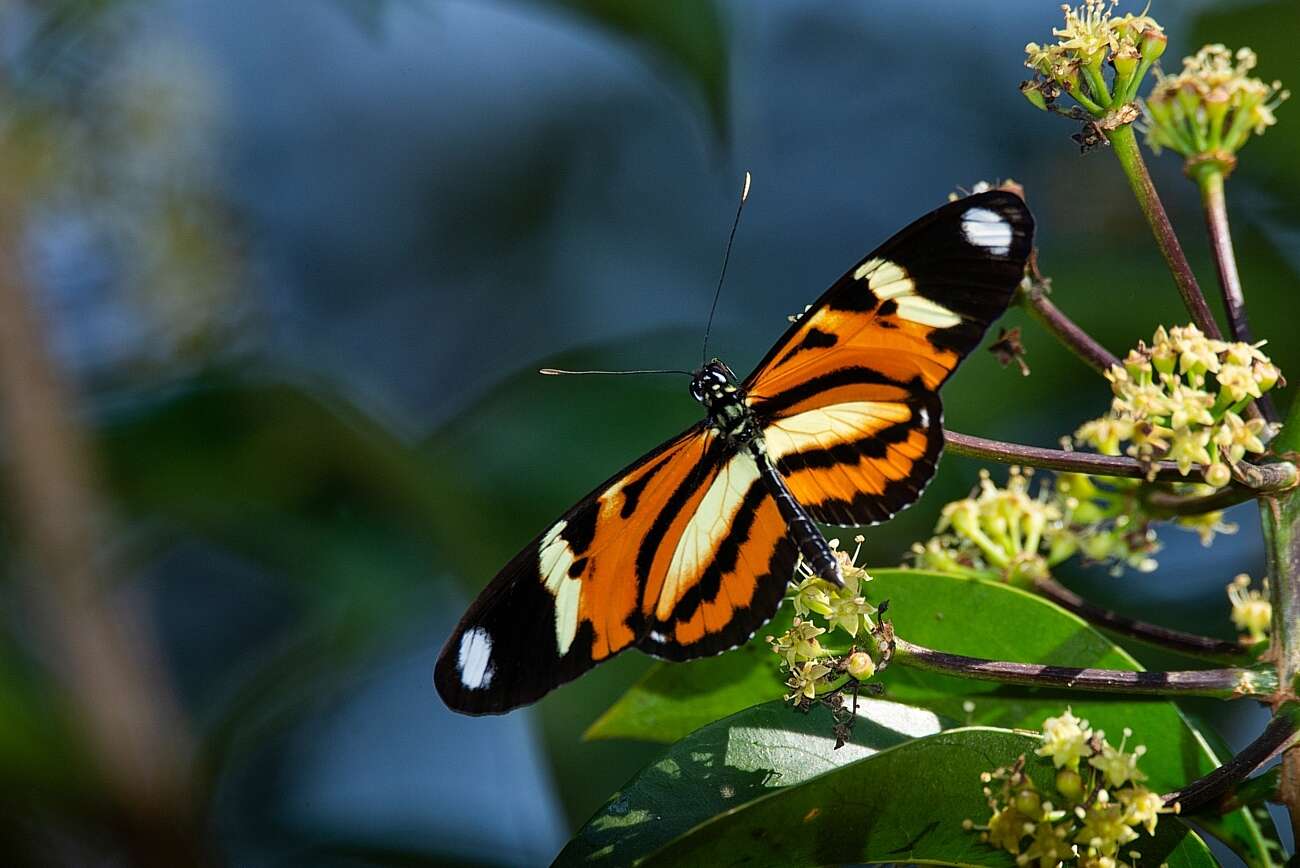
x=687, y=551
x=732, y=418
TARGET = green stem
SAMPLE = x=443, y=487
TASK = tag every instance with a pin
x=1124, y=143
x=1281, y=524
x=1209, y=176
x=1232, y=683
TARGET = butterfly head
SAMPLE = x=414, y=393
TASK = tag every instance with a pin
x=712, y=381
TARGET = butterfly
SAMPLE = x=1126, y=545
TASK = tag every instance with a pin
x=688, y=551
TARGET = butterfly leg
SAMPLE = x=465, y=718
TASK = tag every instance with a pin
x=816, y=551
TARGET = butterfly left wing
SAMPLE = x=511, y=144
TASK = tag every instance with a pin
x=849, y=395
x=683, y=553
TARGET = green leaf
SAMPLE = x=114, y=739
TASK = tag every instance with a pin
x=952, y=614
x=731, y=762
x=904, y=803
x=686, y=33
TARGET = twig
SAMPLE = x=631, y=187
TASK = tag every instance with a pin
x=1278, y=476
x=1175, y=640
x=1124, y=144
x=1161, y=502
x=1033, y=297
x=1233, y=683
x=1203, y=791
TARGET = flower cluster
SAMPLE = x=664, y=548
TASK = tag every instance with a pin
x=1093, y=39
x=808, y=665
x=1181, y=400
x=1095, y=810
x=1000, y=532
x=1251, y=611
x=1208, y=111
x=1009, y=534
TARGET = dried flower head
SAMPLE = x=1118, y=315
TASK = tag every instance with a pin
x=1208, y=111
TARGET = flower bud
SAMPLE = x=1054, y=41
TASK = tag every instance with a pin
x=1029, y=803
x=1218, y=474
x=861, y=666
x=1126, y=62
x=1069, y=784
x=1153, y=44
x=1034, y=94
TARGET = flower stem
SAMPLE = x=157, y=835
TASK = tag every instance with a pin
x=1281, y=522
x=1223, y=780
x=1124, y=144
x=1034, y=299
x=1173, y=640
x=1262, y=477
x=1209, y=178
x=1233, y=683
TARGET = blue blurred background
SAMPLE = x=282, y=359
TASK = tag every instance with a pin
x=300, y=263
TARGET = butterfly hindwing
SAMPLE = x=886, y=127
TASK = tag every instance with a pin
x=849, y=395
x=728, y=570
x=683, y=553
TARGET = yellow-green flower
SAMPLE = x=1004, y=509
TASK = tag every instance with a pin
x=1181, y=399
x=1251, y=611
x=1209, y=110
x=1093, y=42
x=1117, y=766
x=1065, y=740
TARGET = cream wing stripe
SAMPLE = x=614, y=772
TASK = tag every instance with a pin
x=888, y=280
x=555, y=557
x=706, y=529
x=829, y=426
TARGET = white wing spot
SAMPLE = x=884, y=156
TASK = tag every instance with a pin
x=987, y=229
x=924, y=415
x=474, y=659
x=656, y=636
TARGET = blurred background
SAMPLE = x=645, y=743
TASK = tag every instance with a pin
x=276, y=279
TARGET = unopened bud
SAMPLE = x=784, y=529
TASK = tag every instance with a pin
x=861, y=666
x=1069, y=784
x=1031, y=92
x=1218, y=474
x=1153, y=44
x=1028, y=803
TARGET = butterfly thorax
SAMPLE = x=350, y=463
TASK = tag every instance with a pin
x=729, y=413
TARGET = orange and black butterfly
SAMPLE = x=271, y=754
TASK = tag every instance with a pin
x=688, y=551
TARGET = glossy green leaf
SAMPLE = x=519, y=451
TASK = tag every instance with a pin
x=953, y=614
x=904, y=803
x=729, y=763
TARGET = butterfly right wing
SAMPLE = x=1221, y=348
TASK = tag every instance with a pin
x=683, y=553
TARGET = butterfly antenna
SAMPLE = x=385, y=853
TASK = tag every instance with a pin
x=557, y=372
x=726, y=257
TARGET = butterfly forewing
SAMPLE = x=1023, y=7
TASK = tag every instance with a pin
x=849, y=394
